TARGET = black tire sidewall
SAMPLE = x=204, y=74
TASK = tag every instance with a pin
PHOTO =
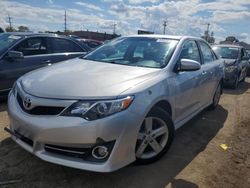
x=214, y=105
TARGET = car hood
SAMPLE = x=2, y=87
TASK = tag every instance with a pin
x=84, y=79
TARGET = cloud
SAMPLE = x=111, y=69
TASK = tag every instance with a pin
x=184, y=17
x=142, y=1
x=3, y=23
x=179, y=15
x=244, y=37
x=47, y=16
x=89, y=6
x=49, y=2
x=225, y=16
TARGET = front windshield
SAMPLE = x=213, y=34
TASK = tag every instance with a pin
x=227, y=52
x=135, y=51
x=6, y=40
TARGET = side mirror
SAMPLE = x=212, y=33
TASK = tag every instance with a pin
x=15, y=55
x=245, y=58
x=188, y=65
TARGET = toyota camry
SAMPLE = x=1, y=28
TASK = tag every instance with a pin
x=118, y=104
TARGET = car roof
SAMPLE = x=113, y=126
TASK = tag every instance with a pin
x=228, y=45
x=89, y=40
x=27, y=34
x=176, y=37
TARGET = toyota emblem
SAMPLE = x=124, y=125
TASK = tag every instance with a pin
x=27, y=103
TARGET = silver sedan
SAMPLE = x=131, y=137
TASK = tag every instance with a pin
x=119, y=104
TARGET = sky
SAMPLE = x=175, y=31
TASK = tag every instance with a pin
x=184, y=17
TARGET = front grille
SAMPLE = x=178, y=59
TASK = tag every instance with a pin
x=40, y=110
x=24, y=139
x=67, y=151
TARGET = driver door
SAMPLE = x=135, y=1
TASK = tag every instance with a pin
x=188, y=84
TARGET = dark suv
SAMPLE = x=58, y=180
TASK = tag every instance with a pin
x=23, y=52
x=236, y=63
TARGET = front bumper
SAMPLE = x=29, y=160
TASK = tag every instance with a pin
x=122, y=128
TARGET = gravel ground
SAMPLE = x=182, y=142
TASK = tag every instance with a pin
x=194, y=160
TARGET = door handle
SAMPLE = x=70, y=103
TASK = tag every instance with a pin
x=47, y=61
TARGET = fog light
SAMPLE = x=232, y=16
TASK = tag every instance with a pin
x=100, y=152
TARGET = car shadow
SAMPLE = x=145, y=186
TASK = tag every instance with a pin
x=242, y=88
x=190, y=140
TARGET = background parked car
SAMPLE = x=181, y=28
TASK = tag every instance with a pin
x=91, y=43
x=236, y=62
x=23, y=52
x=248, y=69
x=74, y=36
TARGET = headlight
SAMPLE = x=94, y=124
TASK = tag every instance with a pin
x=92, y=110
x=231, y=68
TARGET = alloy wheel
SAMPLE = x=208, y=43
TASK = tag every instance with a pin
x=152, y=138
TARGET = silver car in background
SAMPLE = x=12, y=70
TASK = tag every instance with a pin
x=120, y=103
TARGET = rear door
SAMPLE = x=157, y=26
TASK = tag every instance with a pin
x=188, y=84
x=210, y=69
x=36, y=55
x=64, y=49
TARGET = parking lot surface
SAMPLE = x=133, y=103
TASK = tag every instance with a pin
x=196, y=158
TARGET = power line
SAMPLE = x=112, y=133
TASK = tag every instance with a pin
x=164, y=27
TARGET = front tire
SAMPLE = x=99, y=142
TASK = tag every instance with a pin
x=244, y=77
x=155, y=136
x=236, y=83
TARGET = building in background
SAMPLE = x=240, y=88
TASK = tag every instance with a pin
x=142, y=32
x=88, y=35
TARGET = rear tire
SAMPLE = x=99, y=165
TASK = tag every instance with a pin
x=216, y=97
x=155, y=136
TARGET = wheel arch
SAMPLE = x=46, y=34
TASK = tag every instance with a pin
x=165, y=105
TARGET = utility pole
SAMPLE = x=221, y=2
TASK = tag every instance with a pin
x=114, y=28
x=207, y=35
x=10, y=21
x=65, y=22
x=208, y=25
x=164, y=27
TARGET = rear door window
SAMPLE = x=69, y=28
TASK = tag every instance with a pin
x=60, y=45
x=206, y=52
x=33, y=46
